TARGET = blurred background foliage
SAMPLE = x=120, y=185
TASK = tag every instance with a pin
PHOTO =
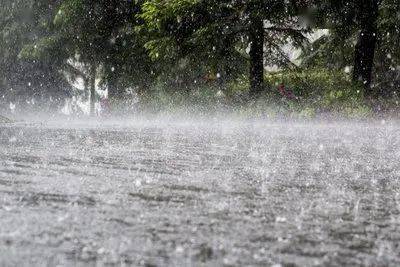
x=332, y=56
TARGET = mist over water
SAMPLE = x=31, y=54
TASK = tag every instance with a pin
x=184, y=192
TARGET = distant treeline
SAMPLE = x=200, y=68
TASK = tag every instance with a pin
x=125, y=45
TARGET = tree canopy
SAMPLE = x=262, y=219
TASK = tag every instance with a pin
x=134, y=45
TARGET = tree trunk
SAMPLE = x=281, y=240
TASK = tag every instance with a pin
x=86, y=91
x=256, y=37
x=92, y=88
x=365, y=48
x=113, y=92
x=112, y=83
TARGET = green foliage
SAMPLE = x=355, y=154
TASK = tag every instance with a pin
x=312, y=83
x=69, y=13
x=216, y=33
x=322, y=86
x=319, y=91
x=194, y=52
x=47, y=50
x=336, y=50
x=155, y=12
x=387, y=57
x=23, y=76
x=199, y=100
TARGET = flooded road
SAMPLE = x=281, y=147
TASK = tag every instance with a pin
x=200, y=193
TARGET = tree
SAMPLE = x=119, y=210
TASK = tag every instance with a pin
x=364, y=53
x=23, y=80
x=232, y=27
x=362, y=34
x=387, y=58
x=101, y=37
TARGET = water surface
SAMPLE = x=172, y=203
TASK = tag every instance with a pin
x=187, y=193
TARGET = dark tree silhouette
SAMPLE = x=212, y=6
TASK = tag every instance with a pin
x=366, y=45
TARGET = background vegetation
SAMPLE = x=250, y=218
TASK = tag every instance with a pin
x=202, y=55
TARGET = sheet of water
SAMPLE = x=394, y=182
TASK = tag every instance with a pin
x=186, y=193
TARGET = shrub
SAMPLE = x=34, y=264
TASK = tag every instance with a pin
x=319, y=90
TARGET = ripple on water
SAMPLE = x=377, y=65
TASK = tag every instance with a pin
x=170, y=195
